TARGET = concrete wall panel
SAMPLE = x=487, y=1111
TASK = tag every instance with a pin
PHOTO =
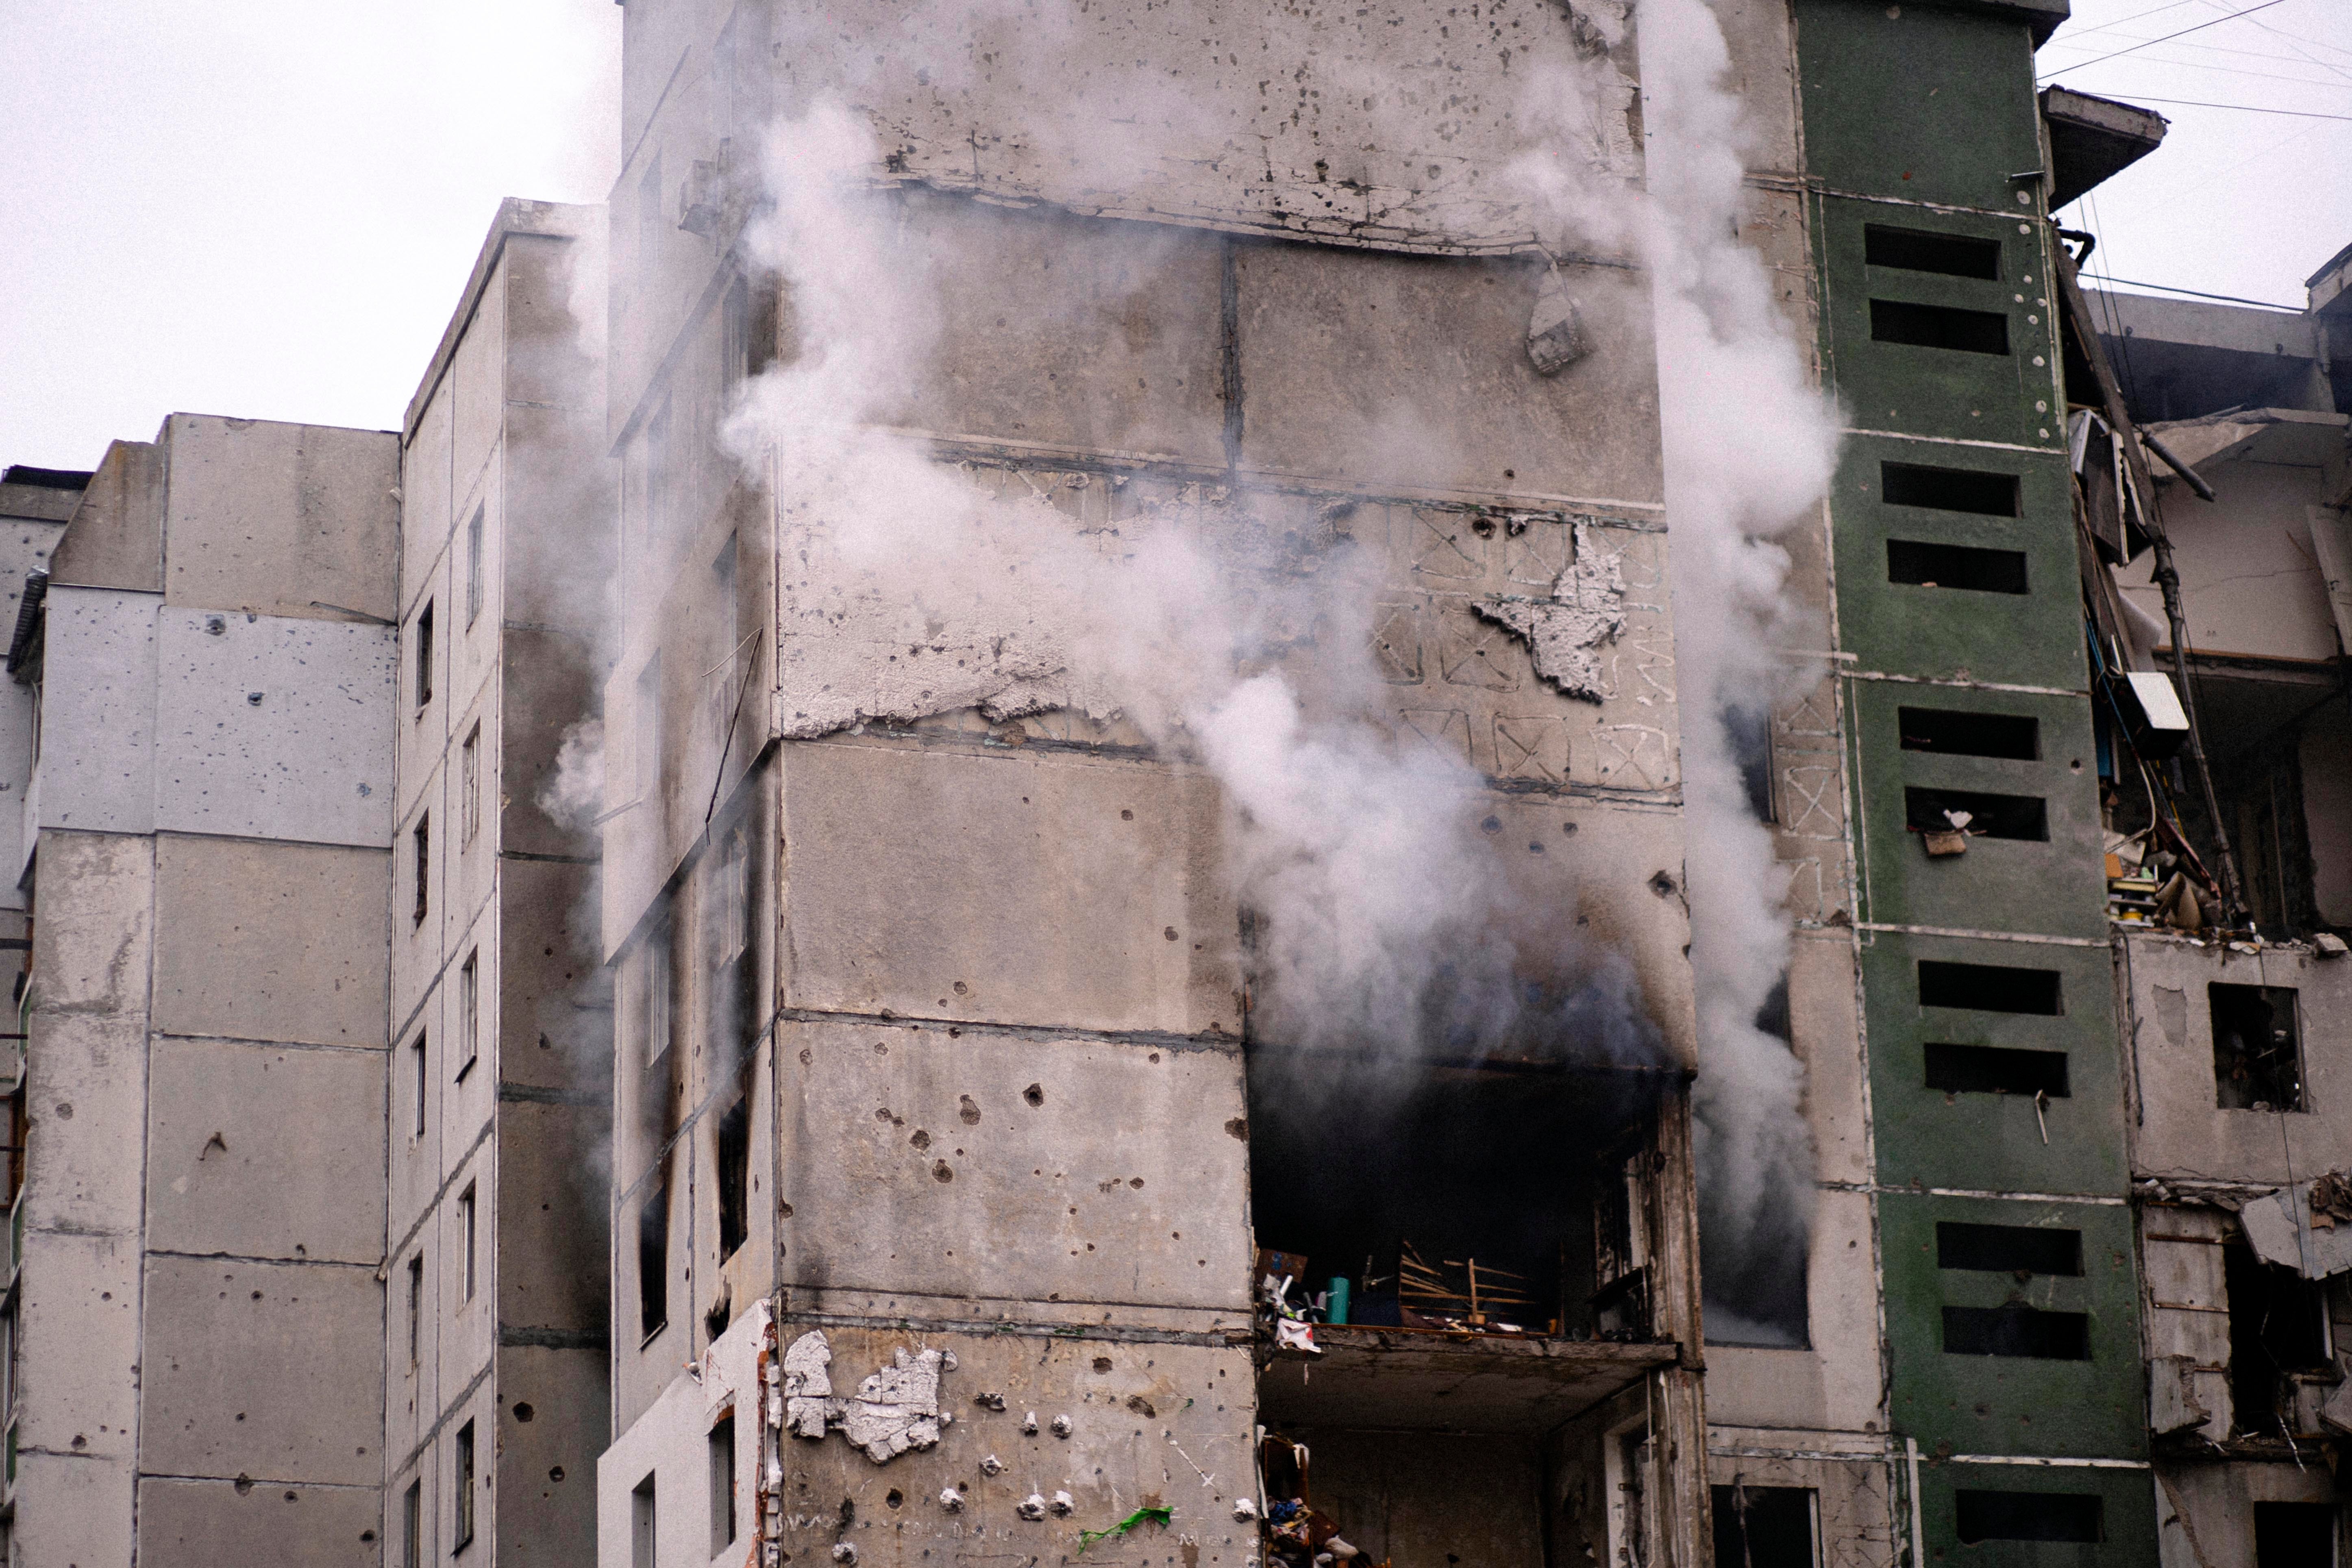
x=116, y=538
x=25, y=544
x=263, y=1152
x=423, y=727
x=552, y=1426
x=419, y=940
x=98, y=711
x=93, y=946
x=425, y=503
x=72, y=1510
x=281, y=518
x=553, y=1225
x=972, y=887
x=78, y=1361
x=468, y=1325
x=271, y=941
x=85, y=1095
x=310, y=760
x=915, y=1161
x=268, y=1370
x=227, y=1521
x=477, y=377
x=549, y=682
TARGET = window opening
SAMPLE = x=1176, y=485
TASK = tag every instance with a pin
x=466, y=1228
x=722, y=1481
x=2257, y=1048
x=2008, y=1248
x=1939, y=327
x=418, y=1064
x=1989, y=987
x=734, y=1177
x=655, y=964
x=421, y=840
x=474, y=567
x=2278, y=1326
x=469, y=1012
x=653, y=1258
x=411, y=1521
x=1981, y=814
x=736, y=356
x=1764, y=1527
x=1925, y=250
x=425, y=655
x=465, y=1486
x=2295, y=1536
x=2017, y=1330
x=1997, y=1069
x=1920, y=565
x=1947, y=490
x=2028, y=1516
x=641, y=1524
x=1748, y=732
x=2013, y=737
x=469, y=786
x=649, y=729
x=416, y=1312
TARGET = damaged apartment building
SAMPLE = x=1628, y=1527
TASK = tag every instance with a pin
x=628, y=972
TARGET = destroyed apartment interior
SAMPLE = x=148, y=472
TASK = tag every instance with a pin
x=1210, y=785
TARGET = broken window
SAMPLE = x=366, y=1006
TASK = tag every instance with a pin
x=2278, y=1326
x=653, y=1258
x=425, y=655
x=416, y=1312
x=2028, y=1516
x=1927, y=250
x=2016, y=1330
x=2295, y=1536
x=411, y=1524
x=420, y=841
x=1924, y=565
x=1997, y=1069
x=1939, y=327
x=474, y=530
x=2013, y=1329
x=641, y=1525
x=469, y=786
x=2257, y=1048
x=1989, y=987
x=1947, y=490
x=2015, y=737
x=1748, y=732
x=722, y=1481
x=466, y=1230
x=734, y=1177
x=470, y=1013
x=2009, y=1248
x=1764, y=1527
x=465, y=1487
x=1978, y=812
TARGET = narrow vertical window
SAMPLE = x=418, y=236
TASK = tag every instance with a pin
x=425, y=656
x=735, y=365
x=732, y=890
x=649, y=729
x=660, y=472
x=474, y=567
x=465, y=1486
x=421, y=840
x=421, y=1075
x=653, y=1259
x=722, y=1482
x=469, y=786
x=641, y=1525
x=416, y=1312
x=725, y=690
x=466, y=1228
x=412, y=1526
x=470, y=1013
x=734, y=1177
x=657, y=995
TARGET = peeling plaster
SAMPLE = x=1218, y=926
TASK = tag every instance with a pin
x=894, y=1410
x=1565, y=632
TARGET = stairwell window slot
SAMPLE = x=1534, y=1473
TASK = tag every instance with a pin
x=2025, y=816
x=1939, y=327
x=653, y=1259
x=421, y=1075
x=469, y=786
x=1947, y=490
x=1997, y=1069
x=2027, y=1332
x=465, y=1487
x=1952, y=732
x=2028, y=1516
x=734, y=1177
x=412, y=1526
x=425, y=656
x=641, y=1524
x=474, y=530
x=722, y=1482
x=421, y=844
x=2009, y=1248
x=1916, y=564
x=416, y=1312
x=1989, y=987
x=1924, y=250
x=466, y=1229
x=470, y=1013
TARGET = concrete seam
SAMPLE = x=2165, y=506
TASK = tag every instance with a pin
x=458, y=1167
x=1213, y=1338
x=1968, y=934
x=369, y=1266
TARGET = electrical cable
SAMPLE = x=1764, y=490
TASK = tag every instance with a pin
x=2245, y=108
x=2167, y=37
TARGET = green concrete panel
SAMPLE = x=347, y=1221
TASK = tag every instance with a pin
x=2014, y=396
x=1918, y=101
x=1985, y=1141
x=2034, y=638
x=1977, y=1404
x=2053, y=886
x=2126, y=1516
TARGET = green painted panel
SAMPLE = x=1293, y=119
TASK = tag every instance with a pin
x=1918, y=101
x=1935, y=391
x=2054, y=886
x=2034, y=638
x=2126, y=1516
x=1985, y=1141
x=2010, y=1404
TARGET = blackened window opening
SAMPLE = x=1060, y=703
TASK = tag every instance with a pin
x=1763, y=1527
x=722, y=1482
x=1920, y=565
x=2023, y=1331
x=421, y=842
x=1988, y=816
x=1939, y=327
x=2277, y=1327
x=1995, y=1069
x=2295, y=1536
x=1989, y=987
x=2008, y=1248
x=1949, y=489
x=1924, y=250
x=2257, y=1048
x=2012, y=737
x=424, y=654
x=1748, y=732
x=653, y=1258
x=734, y=1177
x=2027, y=1516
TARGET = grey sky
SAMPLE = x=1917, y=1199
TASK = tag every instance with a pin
x=266, y=207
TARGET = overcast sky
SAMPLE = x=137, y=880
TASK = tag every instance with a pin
x=266, y=207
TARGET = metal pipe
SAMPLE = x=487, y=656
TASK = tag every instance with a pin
x=2233, y=892
x=2196, y=481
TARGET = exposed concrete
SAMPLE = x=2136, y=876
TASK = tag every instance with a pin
x=547, y=1465
x=116, y=540
x=281, y=519
x=97, y=771
x=259, y=1523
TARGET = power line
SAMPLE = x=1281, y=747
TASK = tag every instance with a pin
x=2198, y=293
x=2247, y=107
x=2184, y=32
